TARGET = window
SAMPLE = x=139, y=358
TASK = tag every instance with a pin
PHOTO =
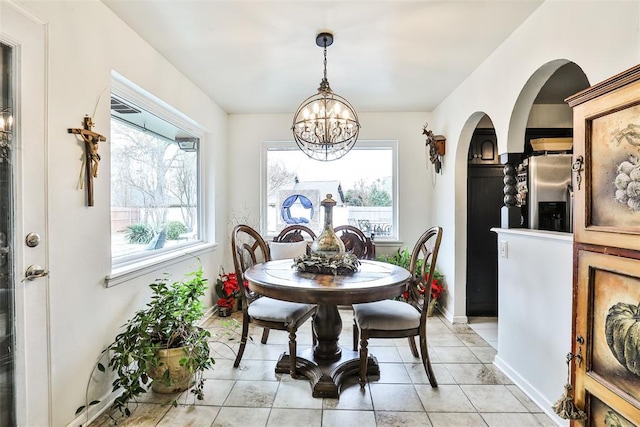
x=155, y=191
x=363, y=183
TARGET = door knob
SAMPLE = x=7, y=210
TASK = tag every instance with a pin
x=35, y=272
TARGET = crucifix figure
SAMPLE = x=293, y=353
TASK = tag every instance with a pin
x=92, y=157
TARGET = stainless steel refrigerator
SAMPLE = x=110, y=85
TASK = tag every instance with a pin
x=550, y=195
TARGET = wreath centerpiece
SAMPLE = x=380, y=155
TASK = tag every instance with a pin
x=341, y=265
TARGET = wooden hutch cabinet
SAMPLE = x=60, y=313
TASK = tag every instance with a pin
x=606, y=283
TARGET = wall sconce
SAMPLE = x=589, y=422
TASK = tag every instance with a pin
x=189, y=144
x=436, y=145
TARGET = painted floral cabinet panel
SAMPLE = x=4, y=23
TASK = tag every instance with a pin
x=606, y=179
x=606, y=222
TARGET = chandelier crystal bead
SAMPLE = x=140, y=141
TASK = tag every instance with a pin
x=325, y=126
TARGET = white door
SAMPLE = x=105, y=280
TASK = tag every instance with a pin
x=26, y=382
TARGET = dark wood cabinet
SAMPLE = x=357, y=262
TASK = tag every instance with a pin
x=483, y=149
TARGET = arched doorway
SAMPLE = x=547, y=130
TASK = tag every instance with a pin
x=539, y=106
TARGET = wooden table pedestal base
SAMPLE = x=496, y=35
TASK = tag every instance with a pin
x=326, y=378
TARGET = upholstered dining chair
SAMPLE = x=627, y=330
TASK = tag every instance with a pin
x=249, y=248
x=356, y=241
x=399, y=319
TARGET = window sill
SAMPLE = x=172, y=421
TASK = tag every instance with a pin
x=131, y=271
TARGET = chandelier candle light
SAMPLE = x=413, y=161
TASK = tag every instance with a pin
x=326, y=126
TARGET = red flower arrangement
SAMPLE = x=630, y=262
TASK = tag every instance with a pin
x=227, y=289
x=437, y=288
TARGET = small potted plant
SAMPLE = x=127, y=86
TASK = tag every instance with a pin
x=228, y=292
x=162, y=345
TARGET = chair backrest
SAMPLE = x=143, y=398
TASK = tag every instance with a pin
x=423, y=263
x=248, y=248
x=356, y=241
x=295, y=233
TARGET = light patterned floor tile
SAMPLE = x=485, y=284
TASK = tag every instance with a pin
x=451, y=419
x=352, y=396
x=484, y=354
x=339, y=418
x=215, y=392
x=242, y=417
x=402, y=419
x=510, y=420
x=472, y=392
x=395, y=397
x=492, y=398
x=190, y=416
x=445, y=398
x=296, y=394
x=476, y=373
x=393, y=373
x=255, y=394
x=455, y=355
x=419, y=376
x=286, y=417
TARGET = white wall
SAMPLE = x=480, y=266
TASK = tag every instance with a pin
x=85, y=43
x=534, y=301
x=603, y=38
x=248, y=132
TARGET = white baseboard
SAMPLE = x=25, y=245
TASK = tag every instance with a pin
x=531, y=392
x=91, y=413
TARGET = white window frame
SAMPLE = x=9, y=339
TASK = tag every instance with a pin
x=360, y=145
x=127, y=268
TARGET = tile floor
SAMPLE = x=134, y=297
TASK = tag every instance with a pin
x=471, y=392
x=487, y=328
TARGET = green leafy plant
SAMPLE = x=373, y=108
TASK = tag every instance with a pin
x=402, y=258
x=140, y=233
x=170, y=320
x=175, y=229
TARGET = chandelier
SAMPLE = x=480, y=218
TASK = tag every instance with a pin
x=325, y=126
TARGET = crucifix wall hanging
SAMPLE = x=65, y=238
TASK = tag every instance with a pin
x=92, y=158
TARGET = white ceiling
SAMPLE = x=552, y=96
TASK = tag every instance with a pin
x=260, y=56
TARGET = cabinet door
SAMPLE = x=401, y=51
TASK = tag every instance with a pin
x=483, y=149
x=607, y=331
x=606, y=179
x=606, y=186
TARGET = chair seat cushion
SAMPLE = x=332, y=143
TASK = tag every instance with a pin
x=387, y=315
x=274, y=310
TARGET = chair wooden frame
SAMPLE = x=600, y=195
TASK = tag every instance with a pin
x=356, y=241
x=249, y=248
x=295, y=233
x=423, y=275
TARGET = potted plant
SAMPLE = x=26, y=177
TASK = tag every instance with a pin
x=228, y=292
x=402, y=258
x=162, y=345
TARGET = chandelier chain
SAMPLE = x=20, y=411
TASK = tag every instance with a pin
x=325, y=58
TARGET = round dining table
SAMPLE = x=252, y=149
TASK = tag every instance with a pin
x=327, y=364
